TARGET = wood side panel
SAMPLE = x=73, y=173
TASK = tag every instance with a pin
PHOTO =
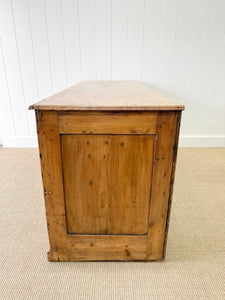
x=50, y=156
x=106, y=247
x=108, y=123
x=172, y=180
x=107, y=180
x=163, y=158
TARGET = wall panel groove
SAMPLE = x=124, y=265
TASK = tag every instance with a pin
x=7, y=123
x=49, y=56
x=19, y=68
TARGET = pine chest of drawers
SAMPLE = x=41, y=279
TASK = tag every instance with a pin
x=108, y=153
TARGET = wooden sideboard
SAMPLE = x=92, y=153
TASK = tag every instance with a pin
x=108, y=153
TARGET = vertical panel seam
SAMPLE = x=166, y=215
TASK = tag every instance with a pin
x=10, y=100
x=190, y=48
x=22, y=84
x=143, y=40
x=111, y=7
x=175, y=46
x=204, y=63
x=78, y=20
x=96, y=69
x=160, y=39
x=217, y=83
x=32, y=44
x=49, y=55
x=63, y=36
x=127, y=40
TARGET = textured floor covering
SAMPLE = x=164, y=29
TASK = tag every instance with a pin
x=195, y=263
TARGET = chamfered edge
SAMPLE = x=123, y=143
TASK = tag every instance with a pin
x=107, y=108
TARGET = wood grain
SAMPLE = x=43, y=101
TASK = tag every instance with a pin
x=108, y=122
x=50, y=157
x=108, y=95
x=106, y=247
x=163, y=158
x=107, y=180
x=175, y=148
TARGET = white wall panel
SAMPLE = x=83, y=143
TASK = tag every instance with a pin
x=214, y=52
x=40, y=42
x=197, y=62
x=70, y=18
x=53, y=13
x=26, y=54
x=103, y=39
x=13, y=68
x=176, y=46
x=218, y=113
x=119, y=39
x=136, y=9
x=88, y=39
x=7, y=126
x=184, y=32
x=167, y=42
x=151, y=41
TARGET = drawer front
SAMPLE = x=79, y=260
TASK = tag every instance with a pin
x=107, y=123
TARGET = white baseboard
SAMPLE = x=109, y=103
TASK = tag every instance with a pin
x=185, y=141
x=202, y=141
x=19, y=141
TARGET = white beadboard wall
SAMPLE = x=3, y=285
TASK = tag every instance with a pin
x=177, y=46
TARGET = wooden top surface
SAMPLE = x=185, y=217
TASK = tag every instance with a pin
x=108, y=95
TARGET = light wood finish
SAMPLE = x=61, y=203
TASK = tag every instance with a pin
x=106, y=247
x=108, y=175
x=108, y=123
x=107, y=180
x=109, y=95
x=49, y=147
x=164, y=150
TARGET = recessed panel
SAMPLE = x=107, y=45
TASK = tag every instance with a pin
x=107, y=181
